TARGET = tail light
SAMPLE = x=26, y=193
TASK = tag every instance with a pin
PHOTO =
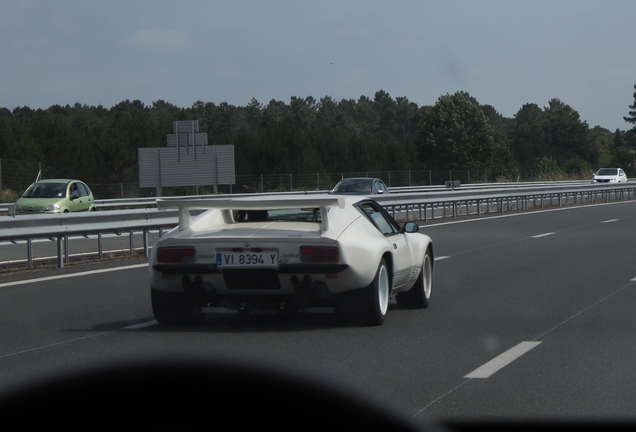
x=186, y=254
x=319, y=254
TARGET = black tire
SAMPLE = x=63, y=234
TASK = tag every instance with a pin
x=174, y=308
x=419, y=296
x=367, y=306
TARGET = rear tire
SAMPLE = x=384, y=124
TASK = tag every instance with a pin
x=174, y=308
x=366, y=306
x=419, y=296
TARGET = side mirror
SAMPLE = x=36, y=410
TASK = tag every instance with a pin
x=411, y=227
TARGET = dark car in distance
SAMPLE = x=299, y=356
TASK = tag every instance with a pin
x=360, y=186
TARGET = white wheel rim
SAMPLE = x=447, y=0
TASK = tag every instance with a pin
x=427, y=277
x=383, y=290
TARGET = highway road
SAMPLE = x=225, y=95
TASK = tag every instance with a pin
x=532, y=317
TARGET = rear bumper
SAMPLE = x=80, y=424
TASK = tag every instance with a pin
x=198, y=269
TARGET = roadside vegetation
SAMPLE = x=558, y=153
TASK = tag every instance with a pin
x=8, y=196
x=305, y=135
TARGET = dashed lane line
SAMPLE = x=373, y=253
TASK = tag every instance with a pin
x=141, y=325
x=543, y=235
x=502, y=360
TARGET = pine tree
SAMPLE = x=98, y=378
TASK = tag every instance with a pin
x=632, y=114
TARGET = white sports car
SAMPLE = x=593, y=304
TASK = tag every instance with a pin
x=288, y=253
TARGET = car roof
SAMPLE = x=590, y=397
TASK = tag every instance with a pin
x=359, y=179
x=55, y=181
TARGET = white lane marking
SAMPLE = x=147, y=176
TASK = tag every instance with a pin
x=75, y=340
x=633, y=280
x=439, y=399
x=502, y=360
x=543, y=235
x=442, y=257
x=611, y=220
x=70, y=275
x=53, y=345
x=142, y=325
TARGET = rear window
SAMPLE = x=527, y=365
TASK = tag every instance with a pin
x=296, y=215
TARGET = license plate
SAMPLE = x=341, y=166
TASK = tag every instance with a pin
x=247, y=259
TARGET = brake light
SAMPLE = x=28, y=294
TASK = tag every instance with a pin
x=176, y=254
x=319, y=254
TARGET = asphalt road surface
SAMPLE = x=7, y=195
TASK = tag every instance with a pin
x=532, y=317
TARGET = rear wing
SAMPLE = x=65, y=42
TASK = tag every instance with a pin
x=250, y=203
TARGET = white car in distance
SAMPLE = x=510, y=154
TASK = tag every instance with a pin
x=609, y=175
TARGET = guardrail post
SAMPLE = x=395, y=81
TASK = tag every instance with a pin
x=131, y=242
x=60, y=256
x=30, y=252
x=100, y=245
x=146, y=243
x=67, y=254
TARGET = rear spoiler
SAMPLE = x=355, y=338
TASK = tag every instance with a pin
x=249, y=203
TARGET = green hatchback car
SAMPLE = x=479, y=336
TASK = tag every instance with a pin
x=56, y=196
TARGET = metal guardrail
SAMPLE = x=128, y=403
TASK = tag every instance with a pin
x=409, y=206
x=451, y=202
x=60, y=227
x=8, y=208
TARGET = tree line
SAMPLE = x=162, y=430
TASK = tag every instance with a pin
x=305, y=135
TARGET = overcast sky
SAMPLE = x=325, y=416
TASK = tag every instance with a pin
x=505, y=53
